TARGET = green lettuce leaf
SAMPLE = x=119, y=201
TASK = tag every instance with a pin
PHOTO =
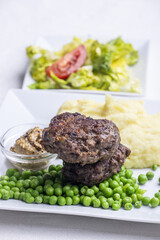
x=49, y=84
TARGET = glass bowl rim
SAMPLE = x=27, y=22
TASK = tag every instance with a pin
x=23, y=156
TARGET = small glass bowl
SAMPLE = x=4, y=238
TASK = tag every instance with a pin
x=21, y=161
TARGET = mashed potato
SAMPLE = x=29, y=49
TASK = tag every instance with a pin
x=139, y=131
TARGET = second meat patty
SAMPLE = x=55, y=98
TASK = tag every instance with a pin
x=91, y=174
x=80, y=139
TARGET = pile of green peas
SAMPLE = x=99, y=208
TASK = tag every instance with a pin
x=49, y=187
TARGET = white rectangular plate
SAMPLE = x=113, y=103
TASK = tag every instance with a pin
x=139, y=70
x=39, y=107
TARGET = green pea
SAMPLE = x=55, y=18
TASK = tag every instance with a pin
x=58, y=191
x=76, y=200
x=40, y=180
x=49, y=181
x=26, y=195
x=101, y=198
x=35, y=193
x=16, y=195
x=11, y=194
x=61, y=201
x=130, y=190
x=46, y=186
x=81, y=199
x=89, y=192
x=110, y=201
x=59, y=167
x=156, y=194
x=29, y=190
x=154, y=202
x=146, y=201
x=118, y=190
x=116, y=196
x=99, y=194
x=69, y=201
x=38, y=200
x=53, y=174
x=96, y=203
x=154, y=167
x=106, y=183
x=86, y=201
x=65, y=188
x=70, y=193
x=5, y=195
x=128, y=206
x=46, y=199
x=4, y=177
x=21, y=196
x=26, y=174
x=128, y=173
x=15, y=189
x=17, y=175
x=127, y=200
x=115, y=206
x=150, y=175
x=57, y=185
x=13, y=178
x=19, y=183
x=38, y=173
x=116, y=178
x=7, y=188
x=33, y=177
x=122, y=174
x=134, y=180
x=95, y=189
x=138, y=204
x=113, y=184
x=123, y=180
x=52, y=200
x=102, y=187
x=75, y=189
x=142, y=179
x=39, y=189
x=134, y=198
x=139, y=197
x=123, y=195
x=93, y=198
x=47, y=176
x=125, y=187
x=34, y=183
x=51, y=167
x=41, y=195
x=44, y=171
x=50, y=191
x=29, y=199
x=10, y=172
x=105, y=205
x=108, y=192
x=136, y=187
x=0, y=195
x=4, y=182
x=83, y=189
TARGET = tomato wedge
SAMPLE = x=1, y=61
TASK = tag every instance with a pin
x=69, y=63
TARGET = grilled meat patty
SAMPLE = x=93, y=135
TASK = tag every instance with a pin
x=91, y=174
x=80, y=139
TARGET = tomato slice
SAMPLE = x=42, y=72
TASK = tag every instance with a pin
x=69, y=63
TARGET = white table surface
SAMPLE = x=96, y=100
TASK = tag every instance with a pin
x=21, y=22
